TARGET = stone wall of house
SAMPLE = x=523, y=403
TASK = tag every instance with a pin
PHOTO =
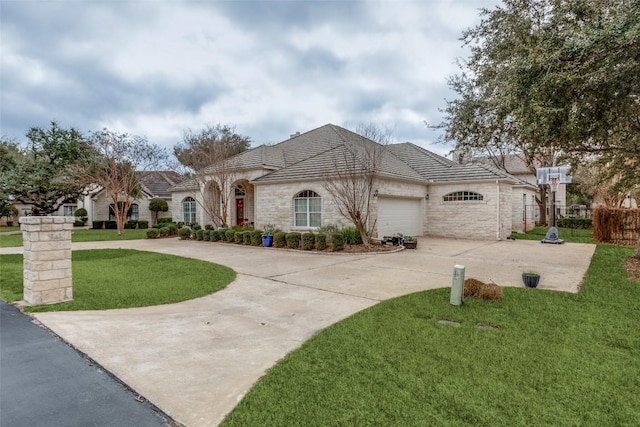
x=524, y=209
x=274, y=205
x=101, y=202
x=274, y=202
x=470, y=219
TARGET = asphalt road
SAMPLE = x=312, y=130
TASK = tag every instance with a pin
x=44, y=382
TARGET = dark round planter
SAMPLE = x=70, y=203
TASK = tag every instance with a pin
x=267, y=241
x=530, y=280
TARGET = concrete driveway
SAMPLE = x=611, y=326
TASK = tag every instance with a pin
x=196, y=359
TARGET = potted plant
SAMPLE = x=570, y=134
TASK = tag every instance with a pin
x=530, y=279
x=410, y=242
x=267, y=235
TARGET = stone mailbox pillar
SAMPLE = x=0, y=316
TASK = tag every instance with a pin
x=47, y=259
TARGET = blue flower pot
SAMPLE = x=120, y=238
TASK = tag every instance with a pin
x=267, y=241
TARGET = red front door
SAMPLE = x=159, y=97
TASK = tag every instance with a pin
x=240, y=211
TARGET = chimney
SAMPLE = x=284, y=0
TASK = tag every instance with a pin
x=293, y=135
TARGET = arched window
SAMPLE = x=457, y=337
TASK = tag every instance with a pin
x=189, y=210
x=462, y=196
x=307, y=206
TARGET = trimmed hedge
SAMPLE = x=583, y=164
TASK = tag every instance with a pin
x=256, y=238
x=163, y=220
x=153, y=233
x=321, y=241
x=238, y=237
x=184, y=233
x=216, y=235
x=308, y=241
x=246, y=237
x=579, y=223
x=279, y=239
x=206, y=235
x=164, y=231
x=352, y=236
x=293, y=240
x=200, y=234
x=337, y=242
x=230, y=236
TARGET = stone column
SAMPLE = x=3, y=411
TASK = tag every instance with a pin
x=47, y=259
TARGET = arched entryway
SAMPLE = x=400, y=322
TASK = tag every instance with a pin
x=243, y=206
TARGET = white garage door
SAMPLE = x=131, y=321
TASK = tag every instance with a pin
x=398, y=215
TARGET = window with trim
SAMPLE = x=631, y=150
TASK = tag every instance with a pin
x=307, y=206
x=132, y=214
x=189, y=210
x=69, y=210
x=462, y=196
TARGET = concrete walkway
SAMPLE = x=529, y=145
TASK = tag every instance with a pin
x=196, y=359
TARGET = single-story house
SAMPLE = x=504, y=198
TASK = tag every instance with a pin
x=153, y=184
x=417, y=192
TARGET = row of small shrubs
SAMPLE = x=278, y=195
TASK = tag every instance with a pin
x=578, y=223
x=112, y=225
x=292, y=240
x=169, y=230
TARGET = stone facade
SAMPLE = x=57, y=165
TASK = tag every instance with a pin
x=47, y=259
x=100, y=208
x=489, y=218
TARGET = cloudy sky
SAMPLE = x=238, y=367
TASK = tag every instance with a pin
x=269, y=68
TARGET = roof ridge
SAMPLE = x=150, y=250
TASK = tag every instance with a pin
x=440, y=159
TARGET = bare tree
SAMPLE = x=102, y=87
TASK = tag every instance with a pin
x=118, y=160
x=351, y=182
x=209, y=156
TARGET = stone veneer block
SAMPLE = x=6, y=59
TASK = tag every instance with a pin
x=47, y=259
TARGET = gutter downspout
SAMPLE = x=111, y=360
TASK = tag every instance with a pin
x=498, y=210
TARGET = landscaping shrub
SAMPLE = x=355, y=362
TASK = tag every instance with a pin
x=173, y=228
x=352, y=236
x=196, y=226
x=279, y=239
x=164, y=231
x=579, y=223
x=476, y=289
x=321, y=241
x=143, y=224
x=337, y=242
x=131, y=225
x=215, y=235
x=163, y=220
x=238, y=237
x=208, y=227
x=184, y=233
x=199, y=234
x=230, y=235
x=256, y=238
x=246, y=237
x=293, y=240
x=329, y=229
x=206, y=235
x=97, y=225
x=308, y=241
x=153, y=233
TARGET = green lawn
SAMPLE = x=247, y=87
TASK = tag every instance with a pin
x=557, y=359
x=8, y=229
x=119, y=278
x=81, y=235
x=567, y=234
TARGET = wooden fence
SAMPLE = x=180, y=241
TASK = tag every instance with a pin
x=617, y=226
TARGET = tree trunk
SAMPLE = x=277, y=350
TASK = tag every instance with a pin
x=362, y=229
x=542, y=204
x=638, y=249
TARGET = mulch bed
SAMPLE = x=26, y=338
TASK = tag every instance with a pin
x=632, y=265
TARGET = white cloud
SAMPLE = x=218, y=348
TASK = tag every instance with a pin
x=269, y=68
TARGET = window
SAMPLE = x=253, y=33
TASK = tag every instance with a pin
x=462, y=196
x=189, y=210
x=69, y=210
x=306, y=207
x=132, y=214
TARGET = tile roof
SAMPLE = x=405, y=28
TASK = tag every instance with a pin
x=328, y=150
x=158, y=183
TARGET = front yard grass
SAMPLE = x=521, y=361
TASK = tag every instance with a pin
x=572, y=235
x=556, y=359
x=80, y=235
x=123, y=278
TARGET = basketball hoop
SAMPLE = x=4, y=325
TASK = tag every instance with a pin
x=553, y=183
